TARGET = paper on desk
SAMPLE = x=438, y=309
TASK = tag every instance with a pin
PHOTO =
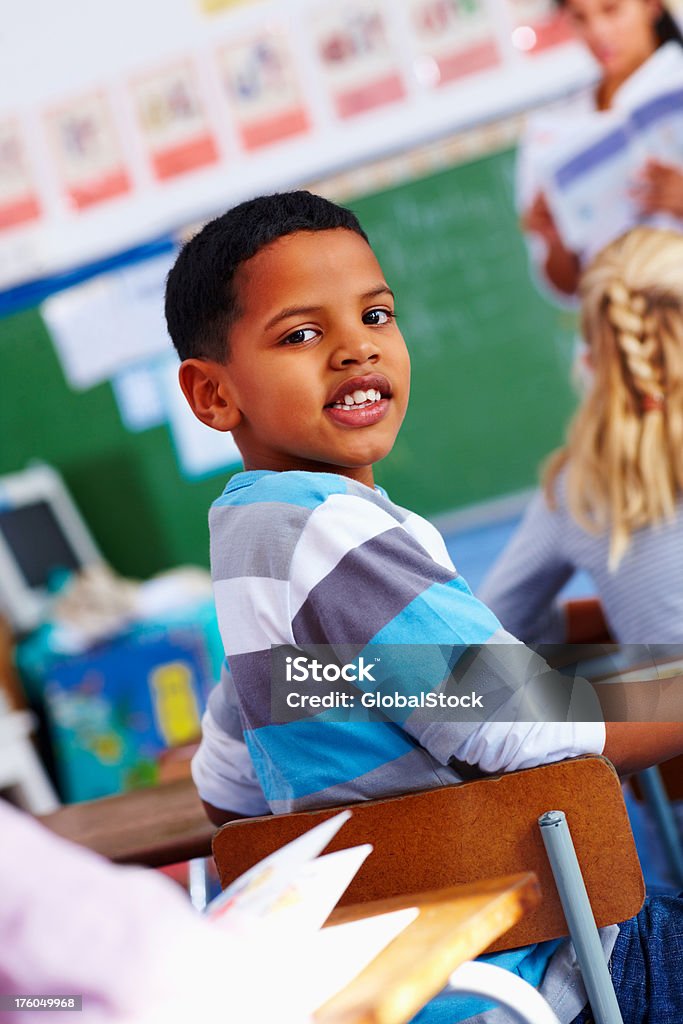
x=315, y=890
x=274, y=913
x=257, y=892
x=339, y=953
x=272, y=979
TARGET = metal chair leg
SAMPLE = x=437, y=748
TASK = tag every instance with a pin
x=198, y=882
x=577, y=910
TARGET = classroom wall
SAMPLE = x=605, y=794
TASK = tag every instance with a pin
x=122, y=121
x=490, y=369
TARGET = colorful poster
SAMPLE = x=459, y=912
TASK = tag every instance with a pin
x=359, y=63
x=174, y=121
x=87, y=150
x=263, y=89
x=455, y=38
x=539, y=24
x=18, y=198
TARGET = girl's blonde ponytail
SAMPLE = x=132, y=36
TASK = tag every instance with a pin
x=624, y=453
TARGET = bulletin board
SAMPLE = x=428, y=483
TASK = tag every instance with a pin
x=490, y=368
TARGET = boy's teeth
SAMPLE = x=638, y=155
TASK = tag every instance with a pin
x=360, y=397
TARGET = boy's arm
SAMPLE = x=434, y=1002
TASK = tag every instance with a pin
x=359, y=577
x=222, y=768
x=368, y=580
x=220, y=817
x=632, y=746
x=643, y=721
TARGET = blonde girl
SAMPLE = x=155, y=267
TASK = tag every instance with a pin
x=612, y=498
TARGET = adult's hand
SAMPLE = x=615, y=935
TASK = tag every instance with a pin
x=561, y=264
x=659, y=189
x=538, y=220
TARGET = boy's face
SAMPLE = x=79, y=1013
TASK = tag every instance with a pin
x=318, y=368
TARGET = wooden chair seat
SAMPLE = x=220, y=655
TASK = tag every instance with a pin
x=470, y=832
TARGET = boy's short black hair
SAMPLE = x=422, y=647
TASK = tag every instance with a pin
x=201, y=300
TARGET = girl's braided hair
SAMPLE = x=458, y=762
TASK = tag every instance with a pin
x=624, y=454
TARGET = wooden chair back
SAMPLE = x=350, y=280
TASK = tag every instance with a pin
x=471, y=832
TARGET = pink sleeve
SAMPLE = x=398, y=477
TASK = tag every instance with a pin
x=71, y=922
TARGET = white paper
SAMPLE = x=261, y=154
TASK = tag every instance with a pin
x=315, y=890
x=260, y=888
x=112, y=322
x=200, y=450
x=342, y=951
x=275, y=911
x=590, y=163
x=138, y=395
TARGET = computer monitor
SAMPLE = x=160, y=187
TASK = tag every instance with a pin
x=41, y=531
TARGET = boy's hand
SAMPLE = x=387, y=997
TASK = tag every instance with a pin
x=659, y=189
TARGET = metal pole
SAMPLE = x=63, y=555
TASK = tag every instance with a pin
x=198, y=883
x=577, y=910
x=658, y=802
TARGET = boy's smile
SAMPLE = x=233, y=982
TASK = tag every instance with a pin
x=360, y=401
x=318, y=370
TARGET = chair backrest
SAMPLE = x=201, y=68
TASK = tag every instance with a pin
x=470, y=832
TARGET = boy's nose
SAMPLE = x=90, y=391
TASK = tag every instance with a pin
x=355, y=351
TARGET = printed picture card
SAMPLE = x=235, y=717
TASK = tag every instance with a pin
x=87, y=150
x=18, y=197
x=454, y=38
x=359, y=64
x=219, y=6
x=174, y=122
x=262, y=86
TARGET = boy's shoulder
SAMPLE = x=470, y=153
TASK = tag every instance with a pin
x=259, y=520
x=259, y=487
x=299, y=489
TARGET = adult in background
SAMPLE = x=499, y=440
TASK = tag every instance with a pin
x=628, y=39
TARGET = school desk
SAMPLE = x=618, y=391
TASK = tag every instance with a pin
x=163, y=824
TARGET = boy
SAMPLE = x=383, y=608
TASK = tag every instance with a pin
x=288, y=338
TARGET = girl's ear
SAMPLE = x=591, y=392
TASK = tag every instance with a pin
x=206, y=387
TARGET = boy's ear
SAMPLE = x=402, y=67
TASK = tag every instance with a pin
x=207, y=389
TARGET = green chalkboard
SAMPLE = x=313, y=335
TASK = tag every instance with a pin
x=490, y=366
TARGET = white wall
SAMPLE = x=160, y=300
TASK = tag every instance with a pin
x=52, y=51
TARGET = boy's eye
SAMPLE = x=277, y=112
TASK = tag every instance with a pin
x=378, y=317
x=299, y=337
